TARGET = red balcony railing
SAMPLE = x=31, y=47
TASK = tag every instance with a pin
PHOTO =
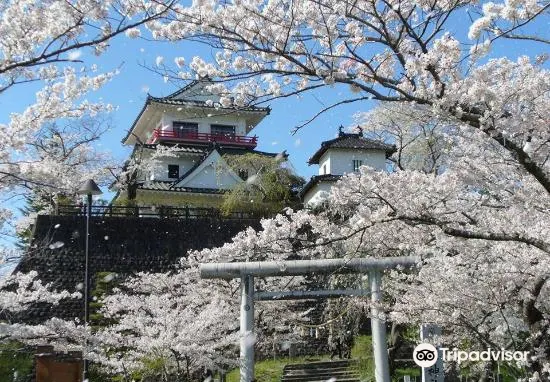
x=178, y=136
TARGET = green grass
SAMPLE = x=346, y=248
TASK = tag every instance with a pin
x=271, y=370
x=412, y=371
x=15, y=362
x=362, y=352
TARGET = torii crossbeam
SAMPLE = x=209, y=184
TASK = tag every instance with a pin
x=246, y=271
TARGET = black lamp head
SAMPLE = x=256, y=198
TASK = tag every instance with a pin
x=90, y=188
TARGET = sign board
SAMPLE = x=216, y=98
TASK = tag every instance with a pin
x=433, y=373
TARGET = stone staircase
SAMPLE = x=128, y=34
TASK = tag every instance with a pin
x=335, y=371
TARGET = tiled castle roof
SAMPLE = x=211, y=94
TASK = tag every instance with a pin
x=153, y=185
x=351, y=141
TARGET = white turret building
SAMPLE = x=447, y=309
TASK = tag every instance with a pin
x=194, y=121
x=340, y=156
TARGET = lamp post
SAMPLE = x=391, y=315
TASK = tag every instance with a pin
x=89, y=188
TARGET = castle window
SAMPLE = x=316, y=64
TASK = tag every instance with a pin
x=356, y=164
x=324, y=169
x=243, y=174
x=173, y=171
x=224, y=130
x=185, y=129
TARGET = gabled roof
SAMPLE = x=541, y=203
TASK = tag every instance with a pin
x=199, y=167
x=217, y=106
x=205, y=155
x=222, y=150
x=351, y=141
x=192, y=94
x=190, y=86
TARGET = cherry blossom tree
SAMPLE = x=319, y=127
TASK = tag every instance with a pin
x=20, y=290
x=423, y=144
x=479, y=284
x=381, y=50
x=476, y=211
x=171, y=317
x=392, y=52
x=48, y=147
x=176, y=319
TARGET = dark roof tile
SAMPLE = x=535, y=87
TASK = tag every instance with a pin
x=185, y=102
x=154, y=185
x=190, y=149
x=351, y=141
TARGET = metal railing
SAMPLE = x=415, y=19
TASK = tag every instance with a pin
x=155, y=212
x=174, y=135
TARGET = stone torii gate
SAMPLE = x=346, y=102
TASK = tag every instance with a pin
x=246, y=271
